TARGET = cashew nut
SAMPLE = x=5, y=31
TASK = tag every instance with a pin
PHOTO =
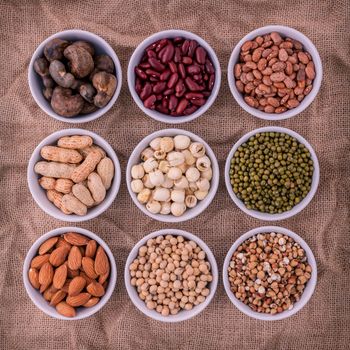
x=66, y=104
x=105, y=84
x=80, y=60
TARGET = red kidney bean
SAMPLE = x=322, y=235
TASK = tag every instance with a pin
x=181, y=106
x=178, y=40
x=151, y=53
x=156, y=64
x=182, y=70
x=192, y=85
x=193, y=69
x=209, y=67
x=168, y=53
x=199, y=102
x=173, y=67
x=177, y=55
x=194, y=95
x=159, y=87
x=144, y=65
x=200, y=55
x=175, y=76
x=146, y=91
x=173, y=101
x=168, y=92
x=211, y=82
x=173, y=80
x=165, y=75
x=192, y=47
x=140, y=73
x=161, y=44
x=190, y=110
x=187, y=60
x=185, y=46
x=149, y=102
x=152, y=73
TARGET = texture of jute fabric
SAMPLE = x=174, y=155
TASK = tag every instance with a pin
x=324, y=224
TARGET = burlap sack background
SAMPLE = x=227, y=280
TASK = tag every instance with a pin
x=324, y=322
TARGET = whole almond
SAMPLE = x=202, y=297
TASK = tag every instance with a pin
x=66, y=285
x=60, y=276
x=91, y=302
x=76, y=286
x=74, y=258
x=95, y=289
x=101, y=261
x=63, y=243
x=90, y=250
x=58, y=256
x=47, y=245
x=103, y=278
x=78, y=300
x=39, y=261
x=87, y=278
x=43, y=287
x=49, y=292
x=46, y=274
x=64, y=309
x=58, y=297
x=76, y=238
x=33, y=276
x=88, y=267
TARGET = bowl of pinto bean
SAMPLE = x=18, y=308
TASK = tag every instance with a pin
x=274, y=72
x=174, y=76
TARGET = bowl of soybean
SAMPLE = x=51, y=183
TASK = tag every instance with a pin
x=272, y=173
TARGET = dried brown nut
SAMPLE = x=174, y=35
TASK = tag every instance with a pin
x=64, y=103
x=104, y=63
x=41, y=66
x=87, y=92
x=80, y=60
x=86, y=46
x=54, y=49
x=59, y=74
x=105, y=84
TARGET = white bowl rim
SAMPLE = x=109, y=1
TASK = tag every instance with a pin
x=50, y=310
x=189, y=213
x=172, y=33
x=111, y=193
x=297, y=208
x=183, y=314
x=80, y=118
x=294, y=34
x=310, y=286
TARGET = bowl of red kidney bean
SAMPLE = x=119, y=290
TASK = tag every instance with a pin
x=174, y=76
x=274, y=72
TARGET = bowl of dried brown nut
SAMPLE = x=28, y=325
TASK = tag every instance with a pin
x=69, y=273
x=270, y=273
x=171, y=275
x=274, y=72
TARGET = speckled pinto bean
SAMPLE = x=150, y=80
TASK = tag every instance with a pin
x=175, y=76
x=274, y=74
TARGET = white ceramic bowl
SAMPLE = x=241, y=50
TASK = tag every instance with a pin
x=183, y=314
x=101, y=47
x=297, y=208
x=39, y=194
x=201, y=205
x=308, y=291
x=38, y=298
x=136, y=58
x=285, y=32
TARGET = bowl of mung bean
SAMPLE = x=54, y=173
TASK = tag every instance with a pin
x=272, y=173
x=171, y=275
x=270, y=273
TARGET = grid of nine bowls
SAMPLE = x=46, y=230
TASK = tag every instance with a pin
x=42, y=201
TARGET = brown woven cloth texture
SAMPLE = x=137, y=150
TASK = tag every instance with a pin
x=324, y=322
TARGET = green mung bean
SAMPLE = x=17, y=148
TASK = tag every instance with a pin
x=271, y=172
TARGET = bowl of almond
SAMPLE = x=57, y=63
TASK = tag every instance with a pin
x=69, y=273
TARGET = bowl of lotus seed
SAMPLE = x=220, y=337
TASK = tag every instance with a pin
x=172, y=175
x=171, y=275
x=270, y=273
x=272, y=173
